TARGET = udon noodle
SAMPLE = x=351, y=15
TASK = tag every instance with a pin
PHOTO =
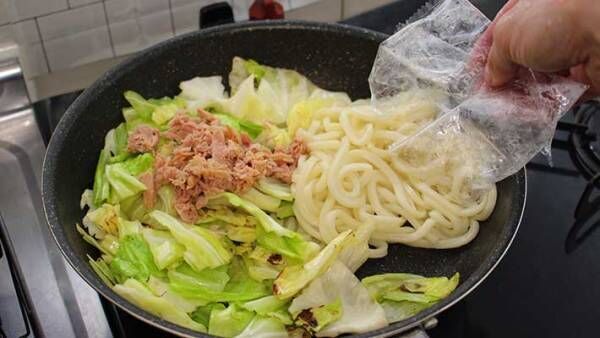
x=419, y=197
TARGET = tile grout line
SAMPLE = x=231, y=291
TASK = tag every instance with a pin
x=172, y=17
x=39, y=31
x=58, y=11
x=110, y=38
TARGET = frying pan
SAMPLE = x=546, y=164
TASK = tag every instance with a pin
x=335, y=57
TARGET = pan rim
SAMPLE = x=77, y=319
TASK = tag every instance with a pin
x=58, y=138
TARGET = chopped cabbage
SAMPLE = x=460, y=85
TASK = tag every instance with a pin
x=202, y=92
x=263, y=201
x=133, y=260
x=229, y=322
x=203, y=248
x=122, y=183
x=166, y=251
x=275, y=188
x=140, y=295
x=295, y=277
x=403, y=295
x=359, y=312
x=101, y=186
x=264, y=327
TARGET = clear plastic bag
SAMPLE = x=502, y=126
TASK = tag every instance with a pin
x=488, y=134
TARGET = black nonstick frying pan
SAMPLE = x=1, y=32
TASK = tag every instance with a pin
x=335, y=57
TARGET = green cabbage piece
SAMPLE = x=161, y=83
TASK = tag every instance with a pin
x=275, y=188
x=139, y=164
x=356, y=252
x=295, y=277
x=264, y=94
x=225, y=215
x=128, y=228
x=133, y=260
x=160, y=287
x=264, y=202
x=164, y=113
x=254, y=68
x=101, y=186
x=203, y=248
x=103, y=220
x=241, y=234
x=240, y=287
x=133, y=207
x=241, y=125
x=285, y=210
x=140, y=295
x=270, y=306
x=166, y=198
x=315, y=319
x=202, y=313
x=102, y=270
x=359, y=312
x=403, y=295
x=264, y=264
x=210, y=280
x=123, y=184
x=403, y=286
x=166, y=251
x=264, y=220
x=155, y=112
x=93, y=241
x=141, y=106
x=273, y=136
x=230, y=321
x=273, y=235
x=264, y=327
x=115, y=143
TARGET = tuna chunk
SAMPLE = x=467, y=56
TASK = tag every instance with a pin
x=143, y=139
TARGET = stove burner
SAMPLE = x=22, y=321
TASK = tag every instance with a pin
x=586, y=143
x=587, y=219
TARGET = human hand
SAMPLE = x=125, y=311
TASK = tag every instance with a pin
x=554, y=36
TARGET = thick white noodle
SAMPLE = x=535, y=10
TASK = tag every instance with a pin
x=349, y=178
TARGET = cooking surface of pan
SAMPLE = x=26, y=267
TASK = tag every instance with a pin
x=335, y=57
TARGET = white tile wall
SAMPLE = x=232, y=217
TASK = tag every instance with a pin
x=75, y=37
x=138, y=24
x=31, y=51
x=5, y=16
x=77, y=3
x=301, y=3
x=323, y=11
x=60, y=34
x=26, y=31
x=25, y=9
x=6, y=33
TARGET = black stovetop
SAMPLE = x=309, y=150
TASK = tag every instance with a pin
x=548, y=284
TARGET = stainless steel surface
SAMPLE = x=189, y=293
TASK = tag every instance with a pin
x=13, y=94
x=63, y=304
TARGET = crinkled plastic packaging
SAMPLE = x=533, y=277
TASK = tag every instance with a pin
x=487, y=134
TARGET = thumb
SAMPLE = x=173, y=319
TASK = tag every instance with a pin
x=499, y=68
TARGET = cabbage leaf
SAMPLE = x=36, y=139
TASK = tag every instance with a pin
x=140, y=295
x=359, y=312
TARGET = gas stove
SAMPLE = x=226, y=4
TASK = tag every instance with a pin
x=546, y=286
